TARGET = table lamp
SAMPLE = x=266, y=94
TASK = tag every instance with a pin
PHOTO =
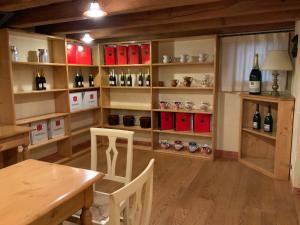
x=277, y=60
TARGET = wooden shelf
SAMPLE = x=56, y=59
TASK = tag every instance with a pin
x=84, y=89
x=83, y=65
x=85, y=110
x=50, y=141
x=122, y=127
x=187, y=133
x=183, y=111
x=261, y=133
x=39, y=92
x=55, y=158
x=184, y=64
x=125, y=65
x=134, y=108
x=126, y=87
x=186, y=88
x=184, y=153
x=40, y=118
x=38, y=64
x=263, y=165
x=83, y=129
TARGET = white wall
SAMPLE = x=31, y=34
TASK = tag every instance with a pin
x=295, y=158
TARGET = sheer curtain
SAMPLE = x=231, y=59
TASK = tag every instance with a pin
x=237, y=55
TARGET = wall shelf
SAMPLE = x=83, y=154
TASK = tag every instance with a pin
x=184, y=64
x=122, y=127
x=125, y=65
x=84, y=89
x=183, y=153
x=261, y=133
x=50, y=141
x=185, y=88
x=40, y=118
x=38, y=64
x=126, y=87
x=39, y=92
x=133, y=108
x=83, y=65
x=85, y=110
x=83, y=129
x=187, y=133
x=182, y=111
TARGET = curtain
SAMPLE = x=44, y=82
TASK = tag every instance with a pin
x=237, y=55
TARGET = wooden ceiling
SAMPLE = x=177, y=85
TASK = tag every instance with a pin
x=143, y=19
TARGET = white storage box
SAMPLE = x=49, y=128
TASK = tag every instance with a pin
x=56, y=127
x=75, y=101
x=90, y=99
x=39, y=132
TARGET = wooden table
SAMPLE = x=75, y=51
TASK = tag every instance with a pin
x=11, y=137
x=39, y=193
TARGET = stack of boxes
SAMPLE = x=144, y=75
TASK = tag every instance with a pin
x=44, y=130
x=83, y=100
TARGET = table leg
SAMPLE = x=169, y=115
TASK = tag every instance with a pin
x=86, y=215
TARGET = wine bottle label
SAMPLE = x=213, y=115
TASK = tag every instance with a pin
x=122, y=82
x=267, y=127
x=147, y=83
x=40, y=85
x=254, y=86
x=255, y=125
x=140, y=83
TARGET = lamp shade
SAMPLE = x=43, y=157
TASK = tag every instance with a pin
x=278, y=60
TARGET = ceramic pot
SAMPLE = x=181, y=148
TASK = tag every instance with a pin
x=187, y=81
x=174, y=83
x=203, y=57
x=163, y=105
x=193, y=146
x=166, y=59
x=164, y=144
x=178, y=145
x=189, y=105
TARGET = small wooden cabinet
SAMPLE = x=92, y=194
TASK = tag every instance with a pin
x=268, y=153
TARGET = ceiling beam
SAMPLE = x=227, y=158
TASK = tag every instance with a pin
x=15, y=5
x=173, y=15
x=218, y=23
x=73, y=10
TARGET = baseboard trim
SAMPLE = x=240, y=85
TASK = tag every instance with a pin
x=229, y=155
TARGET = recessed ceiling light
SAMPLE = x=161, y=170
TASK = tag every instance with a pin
x=94, y=10
x=87, y=38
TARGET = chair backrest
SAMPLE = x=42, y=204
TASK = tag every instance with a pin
x=140, y=191
x=112, y=152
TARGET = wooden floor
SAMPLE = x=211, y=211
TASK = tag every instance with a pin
x=195, y=192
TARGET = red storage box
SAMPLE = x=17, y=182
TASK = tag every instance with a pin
x=71, y=53
x=133, y=54
x=121, y=55
x=166, y=121
x=84, y=55
x=183, y=121
x=201, y=123
x=145, y=51
x=110, y=55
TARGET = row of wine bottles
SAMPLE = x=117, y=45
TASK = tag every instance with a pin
x=129, y=79
x=255, y=80
x=268, y=122
x=40, y=80
x=79, y=80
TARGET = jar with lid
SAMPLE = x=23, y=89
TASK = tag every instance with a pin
x=43, y=56
x=14, y=53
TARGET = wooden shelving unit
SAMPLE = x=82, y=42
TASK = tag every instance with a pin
x=268, y=153
x=24, y=103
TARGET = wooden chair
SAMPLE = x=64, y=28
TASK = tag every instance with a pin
x=101, y=207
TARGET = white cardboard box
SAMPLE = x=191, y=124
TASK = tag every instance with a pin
x=56, y=127
x=39, y=132
x=75, y=101
x=90, y=99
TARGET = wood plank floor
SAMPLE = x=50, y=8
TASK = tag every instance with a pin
x=195, y=192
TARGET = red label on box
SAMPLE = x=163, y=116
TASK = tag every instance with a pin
x=57, y=122
x=145, y=50
x=183, y=121
x=75, y=98
x=110, y=56
x=39, y=127
x=91, y=96
x=134, y=54
x=201, y=123
x=84, y=55
x=121, y=55
x=166, y=121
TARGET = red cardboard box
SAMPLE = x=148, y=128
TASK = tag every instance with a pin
x=201, y=123
x=145, y=51
x=121, y=55
x=166, y=121
x=71, y=53
x=133, y=54
x=183, y=121
x=110, y=55
x=84, y=55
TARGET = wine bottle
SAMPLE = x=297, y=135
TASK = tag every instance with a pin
x=256, y=119
x=148, y=81
x=122, y=79
x=114, y=79
x=129, y=80
x=140, y=80
x=268, y=123
x=77, y=80
x=91, y=80
x=38, y=81
x=43, y=80
x=81, y=80
x=255, y=78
